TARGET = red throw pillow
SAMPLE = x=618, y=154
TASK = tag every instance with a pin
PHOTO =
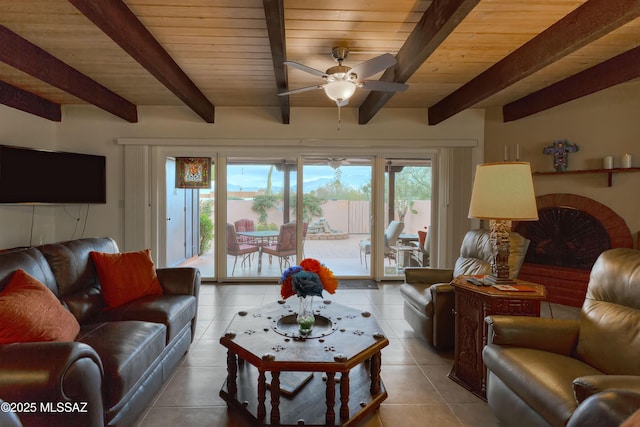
x=126, y=276
x=30, y=312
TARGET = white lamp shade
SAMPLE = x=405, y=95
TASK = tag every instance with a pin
x=503, y=191
x=339, y=90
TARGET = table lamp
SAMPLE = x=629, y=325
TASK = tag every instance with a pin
x=502, y=192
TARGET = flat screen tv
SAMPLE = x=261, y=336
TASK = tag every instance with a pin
x=41, y=176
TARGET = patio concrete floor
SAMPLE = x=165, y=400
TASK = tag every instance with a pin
x=341, y=256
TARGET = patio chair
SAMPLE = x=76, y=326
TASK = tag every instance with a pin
x=285, y=247
x=390, y=239
x=238, y=249
x=244, y=224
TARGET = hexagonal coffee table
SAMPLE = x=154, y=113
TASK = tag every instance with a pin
x=343, y=348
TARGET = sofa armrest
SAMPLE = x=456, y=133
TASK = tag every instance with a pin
x=608, y=409
x=53, y=373
x=554, y=335
x=179, y=280
x=427, y=275
x=584, y=387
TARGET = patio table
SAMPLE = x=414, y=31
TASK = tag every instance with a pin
x=263, y=237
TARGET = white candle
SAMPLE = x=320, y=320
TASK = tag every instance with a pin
x=608, y=162
x=518, y=152
x=506, y=153
x=626, y=161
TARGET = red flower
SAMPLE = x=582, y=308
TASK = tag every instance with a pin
x=286, y=289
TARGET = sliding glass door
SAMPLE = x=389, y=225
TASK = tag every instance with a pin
x=262, y=227
x=336, y=210
x=407, y=215
x=260, y=231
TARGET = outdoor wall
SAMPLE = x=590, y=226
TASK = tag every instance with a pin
x=604, y=123
x=342, y=215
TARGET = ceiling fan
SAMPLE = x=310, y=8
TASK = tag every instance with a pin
x=336, y=162
x=342, y=81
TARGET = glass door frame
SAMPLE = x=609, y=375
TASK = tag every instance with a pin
x=220, y=154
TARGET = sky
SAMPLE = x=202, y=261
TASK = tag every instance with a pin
x=254, y=177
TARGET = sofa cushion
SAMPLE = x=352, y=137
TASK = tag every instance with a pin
x=30, y=261
x=29, y=312
x=75, y=274
x=173, y=311
x=126, y=276
x=540, y=378
x=610, y=337
x=127, y=349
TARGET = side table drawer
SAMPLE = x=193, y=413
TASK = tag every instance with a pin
x=515, y=307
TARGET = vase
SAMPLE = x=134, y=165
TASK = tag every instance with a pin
x=305, y=316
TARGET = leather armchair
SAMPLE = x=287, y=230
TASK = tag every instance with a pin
x=607, y=409
x=540, y=370
x=429, y=299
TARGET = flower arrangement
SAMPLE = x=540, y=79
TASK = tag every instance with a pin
x=309, y=278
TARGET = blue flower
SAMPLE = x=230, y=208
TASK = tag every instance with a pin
x=307, y=283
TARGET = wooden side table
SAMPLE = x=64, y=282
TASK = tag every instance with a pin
x=473, y=304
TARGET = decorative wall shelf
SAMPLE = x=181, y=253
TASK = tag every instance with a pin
x=609, y=172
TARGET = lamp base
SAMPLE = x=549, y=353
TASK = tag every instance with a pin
x=499, y=237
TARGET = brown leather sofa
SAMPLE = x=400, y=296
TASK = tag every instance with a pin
x=429, y=300
x=540, y=370
x=120, y=358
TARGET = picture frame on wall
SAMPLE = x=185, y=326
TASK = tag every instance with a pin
x=193, y=172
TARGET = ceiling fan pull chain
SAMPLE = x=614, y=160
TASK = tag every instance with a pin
x=339, y=118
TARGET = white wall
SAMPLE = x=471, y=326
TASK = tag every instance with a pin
x=604, y=123
x=87, y=129
x=26, y=225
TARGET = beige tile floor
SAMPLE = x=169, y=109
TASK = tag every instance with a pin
x=414, y=374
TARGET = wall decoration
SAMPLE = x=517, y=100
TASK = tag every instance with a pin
x=193, y=172
x=560, y=151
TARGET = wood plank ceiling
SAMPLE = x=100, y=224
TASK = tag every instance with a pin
x=523, y=55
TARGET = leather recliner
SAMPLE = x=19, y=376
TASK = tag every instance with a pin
x=429, y=299
x=539, y=370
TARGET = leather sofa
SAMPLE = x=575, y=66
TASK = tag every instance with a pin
x=540, y=370
x=120, y=358
x=429, y=300
x=609, y=408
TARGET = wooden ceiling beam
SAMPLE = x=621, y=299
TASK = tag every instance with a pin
x=29, y=103
x=616, y=70
x=437, y=22
x=587, y=23
x=117, y=21
x=274, y=13
x=29, y=58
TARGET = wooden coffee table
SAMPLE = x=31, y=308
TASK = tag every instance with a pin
x=343, y=348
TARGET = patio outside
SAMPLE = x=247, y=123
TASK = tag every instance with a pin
x=340, y=250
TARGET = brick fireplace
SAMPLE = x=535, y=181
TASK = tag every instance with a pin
x=565, y=242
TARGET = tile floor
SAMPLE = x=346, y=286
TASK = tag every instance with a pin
x=414, y=375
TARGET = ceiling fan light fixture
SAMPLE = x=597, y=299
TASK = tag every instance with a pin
x=335, y=164
x=339, y=90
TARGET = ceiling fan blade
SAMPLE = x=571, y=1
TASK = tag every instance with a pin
x=373, y=66
x=384, y=86
x=306, y=69
x=302, y=89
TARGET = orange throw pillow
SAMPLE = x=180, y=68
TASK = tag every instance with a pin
x=30, y=312
x=126, y=276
